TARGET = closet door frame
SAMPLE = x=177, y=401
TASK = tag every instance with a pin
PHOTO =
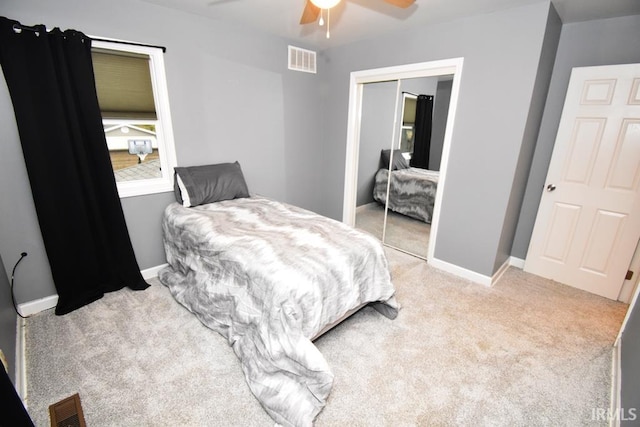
x=357, y=81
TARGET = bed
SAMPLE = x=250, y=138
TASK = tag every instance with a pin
x=412, y=191
x=271, y=277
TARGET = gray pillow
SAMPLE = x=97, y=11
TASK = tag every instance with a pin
x=399, y=162
x=197, y=185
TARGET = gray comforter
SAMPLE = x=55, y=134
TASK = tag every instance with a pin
x=269, y=277
x=412, y=191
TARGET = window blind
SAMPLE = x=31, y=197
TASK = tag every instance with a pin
x=123, y=84
x=409, y=111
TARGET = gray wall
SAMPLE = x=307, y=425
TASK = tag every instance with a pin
x=534, y=117
x=501, y=54
x=440, y=117
x=232, y=98
x=8, y=319
x=603, y=42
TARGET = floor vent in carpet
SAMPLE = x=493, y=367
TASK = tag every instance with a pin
x=67, y=413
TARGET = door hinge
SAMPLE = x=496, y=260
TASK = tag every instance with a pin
x=629, y=275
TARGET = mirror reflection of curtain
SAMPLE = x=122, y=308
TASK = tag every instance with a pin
x=422, y=141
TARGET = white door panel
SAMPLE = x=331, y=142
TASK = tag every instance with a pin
x=588, y=223
x=562, y=228
x=624, y=173
x=584, y=144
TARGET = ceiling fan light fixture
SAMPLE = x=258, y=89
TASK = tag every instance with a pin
x=325, y=4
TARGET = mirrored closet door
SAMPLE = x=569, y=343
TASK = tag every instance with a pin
x=400, y=147
x=376, y=133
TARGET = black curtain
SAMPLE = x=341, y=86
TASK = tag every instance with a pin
x=51, y=83
x=422, y=137
x=13, y=411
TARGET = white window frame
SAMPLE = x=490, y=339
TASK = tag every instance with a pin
x=164, y=128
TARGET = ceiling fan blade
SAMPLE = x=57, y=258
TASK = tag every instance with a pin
x=310, y=13
x=401, y=3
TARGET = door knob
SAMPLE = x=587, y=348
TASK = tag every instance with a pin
x=551, y=187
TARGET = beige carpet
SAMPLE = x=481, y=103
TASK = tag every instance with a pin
x=525, y=352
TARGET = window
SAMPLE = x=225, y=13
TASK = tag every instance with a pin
x=134, y=102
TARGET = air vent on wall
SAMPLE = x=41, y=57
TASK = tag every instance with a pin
x=302, y=60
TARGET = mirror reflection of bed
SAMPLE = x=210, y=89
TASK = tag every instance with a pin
x=388, y=140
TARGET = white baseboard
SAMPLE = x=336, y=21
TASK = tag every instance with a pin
x=498, y=274
x=516, y=262
x=461, y=272
x=475, y=277
x=36, y=306
x=616, y=385
x=21, y=366
x=150, y=273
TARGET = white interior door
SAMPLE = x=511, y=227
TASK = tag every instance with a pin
x=588, y=222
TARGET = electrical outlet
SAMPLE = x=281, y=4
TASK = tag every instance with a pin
x=4, y=361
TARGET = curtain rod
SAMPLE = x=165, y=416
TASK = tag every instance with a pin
x=36, y=29
x=164, y=49
x=409, y=93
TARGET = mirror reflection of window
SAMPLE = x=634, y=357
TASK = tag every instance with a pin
x=406, y=141
x=408, y=124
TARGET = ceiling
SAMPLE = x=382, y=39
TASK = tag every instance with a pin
x=354, y=20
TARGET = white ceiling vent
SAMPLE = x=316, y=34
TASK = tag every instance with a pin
x=302, y=60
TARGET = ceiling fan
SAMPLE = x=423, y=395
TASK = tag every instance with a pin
x=313, y=8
